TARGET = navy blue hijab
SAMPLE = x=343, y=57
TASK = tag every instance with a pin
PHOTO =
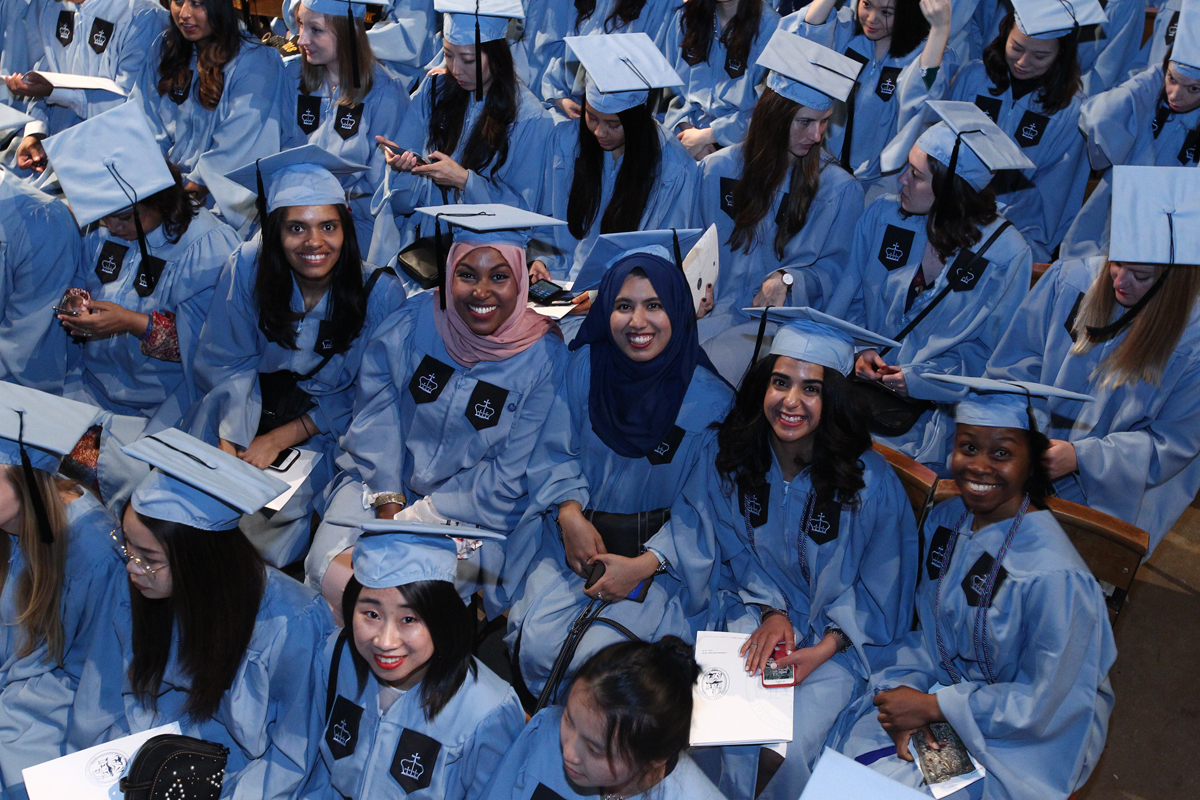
x=633, y=405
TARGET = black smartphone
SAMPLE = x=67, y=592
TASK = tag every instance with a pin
x=596, y=574
x=285, y=459
x=544, y=292
x=639, y=592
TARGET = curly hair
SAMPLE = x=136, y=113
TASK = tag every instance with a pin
x=175, y=55
x=1061, y=82
x=623, y=13
x=956, y=219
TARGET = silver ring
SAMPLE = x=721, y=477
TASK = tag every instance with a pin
x=754, y=644
x=600, y=596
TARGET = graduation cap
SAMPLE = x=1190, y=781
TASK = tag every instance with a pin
x=622, y=68
x=197, y=484
x=493, y=223
x=302, y=176
x=353, y=9
x=474, y=22
x=36, y=430
x=1053, y=19
x=672, y=244
x=837, y=777
x=11, y=118
x=806, y=72
x=1185, y=52
x=988, y=150
x=818, y=338
x=396, y=553
x=1005, y=404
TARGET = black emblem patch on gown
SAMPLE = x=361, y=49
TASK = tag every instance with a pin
x=895, y=248
x=965, y=271
x=1188, y=152
x=757, y=505
x=429, y=380
x=972, y=585
x=666, y=451
x=1169, y=33
x=1029, y=132
x=781, y=214
x=728, y=187
x=889, y=82
x=108, y=263
x=937, y=552
x=1071, y=317
x=180, y=91
x=692, y=60
x=347, y=120
x=824, y=521
x=413, y=763
x=341, y=734
x=486, y=405
x=992, y=106
x=308, y=113
x=65, y=32
x=734, y=68
x=149, y=271
x=323, y=346
x=101, y=35
x=544, y=792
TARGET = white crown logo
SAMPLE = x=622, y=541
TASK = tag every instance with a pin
x=141, y=279
x=735, y=65
x=1030, y=131
x=729, y=199
x=411, y=767
x=936, y=556
x=64, y=32
x=108, y=265
x=977, y=583
x=887, y=86
x=427, y=384
x=484, y=410
x=1154, y=125
x=1171, y=30
x=966, y=276
x=327, y=344
x=662, y=449
x=308, y=118
x=341, y=734
x=347, y=122
x=820, y=525
x=99, y=39
x=1190, y=154
x=752, y=506
x=893, y=253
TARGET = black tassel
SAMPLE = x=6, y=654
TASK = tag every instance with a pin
x=678, y=252
x=353, y=44
x=260, y=202
x=762, y=331
x=944, y=190
x=45, y=534
x=441, y=261
x=478, y=58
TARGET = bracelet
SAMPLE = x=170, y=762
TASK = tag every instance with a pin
x=663, y=563
x=390, y=497
x=844, y=642
x=771, y=611
x=304, y=422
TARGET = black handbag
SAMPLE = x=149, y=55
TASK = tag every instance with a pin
x=423, y=261
x=626, y=534
x=170, y=766
x=890, y=413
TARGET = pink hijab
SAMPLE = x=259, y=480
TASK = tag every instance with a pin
x=518, y=332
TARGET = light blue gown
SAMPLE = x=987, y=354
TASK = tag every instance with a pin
x=571, y=462
x=405, y=40
x=427, y=427
x=815, y=257
x=244, y=126
x=1041, y=202
x=957, y=337
x=715, y=94
x=263, y=717
x=533, y=770
x=891, y=92
x=99, y=38
x=1162, y=37
x=20, y=42
x=1123, y=127
x=518, y=182
x=115, y=373
x=668, y=206
x=233, y=352
x=862, y=581
x=348, y=133
x=399, y=753
x=1040, y=728
x=37, y=695
x=1137, y=444
x=39, y=252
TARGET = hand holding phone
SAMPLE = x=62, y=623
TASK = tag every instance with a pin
x=545, y=292
x=772, y=675
x=285, y=459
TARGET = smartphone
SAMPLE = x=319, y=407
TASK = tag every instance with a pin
x=285, y=459
x=421, y=160
x=544, y=292
x=778, y=676
x=596, y=574
x=639, y=592
x=70, y=312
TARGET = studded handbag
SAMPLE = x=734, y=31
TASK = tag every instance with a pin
x=171, y=767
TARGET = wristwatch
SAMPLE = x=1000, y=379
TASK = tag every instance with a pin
x=663, y=563
x=389, y=497
x=844, y=642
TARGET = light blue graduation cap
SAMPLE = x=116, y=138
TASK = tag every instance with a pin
x=36, y=431
x=108, y=162
x=1156, y=215
x=1004, y=404
x=1185, y=52
x=11, y=118
x=806, y=72
x=197, y=484
x=395, y=553
x=837, y=777
x=818, y=338
x=1053, y=19
x=988, y=149
x=672, y=244
x=474, y=22
x=302, y=176
x=621, y=68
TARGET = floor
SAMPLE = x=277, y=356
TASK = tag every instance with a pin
x=1155, y=728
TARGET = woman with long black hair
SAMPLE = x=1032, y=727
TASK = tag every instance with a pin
x=477, y=130
x=614, y=169
x=282, y=344
x=714, y=45
x=211, y=94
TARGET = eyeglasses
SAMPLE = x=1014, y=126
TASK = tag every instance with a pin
x=125, y=553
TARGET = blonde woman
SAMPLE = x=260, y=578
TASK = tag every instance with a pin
x=1125, y=328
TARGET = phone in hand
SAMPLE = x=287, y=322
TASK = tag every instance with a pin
x=421, y=160
x=638, y=595
x=70, y=312
x=596, y=573
x=778, y=676
x=285, y=459
x=544, y=292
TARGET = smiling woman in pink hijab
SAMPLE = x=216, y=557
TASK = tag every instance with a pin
x=450, y=402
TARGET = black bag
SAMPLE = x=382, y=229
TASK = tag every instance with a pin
x=170, y=766
x=626, y=534
x=423, y=261
x=889, y=412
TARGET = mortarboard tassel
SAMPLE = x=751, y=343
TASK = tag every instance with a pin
x=678, y=252
x=353, y=44
x=45, y=534
x=478, y=59
x=260, y=202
